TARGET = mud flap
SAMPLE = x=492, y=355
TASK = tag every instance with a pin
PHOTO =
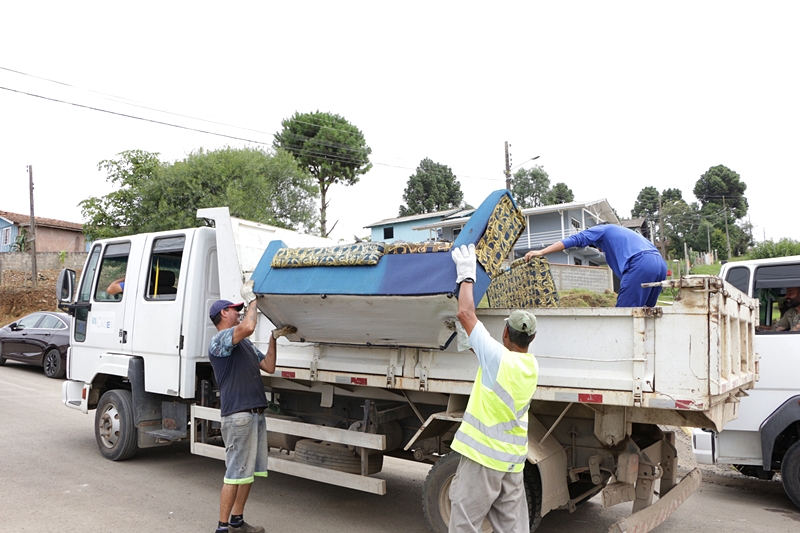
x=652, y=516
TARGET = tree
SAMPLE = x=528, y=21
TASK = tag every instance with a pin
x=433, y=187
x=119, y=212
x=721, y=195
x=154, y=196
x=721, y=187
x=559, y=194
x=681, y=222
x=330, y=148
x=530, y=187
x=646, y=204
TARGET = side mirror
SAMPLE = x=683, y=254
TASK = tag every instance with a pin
x=15, y=327
x=65, y=286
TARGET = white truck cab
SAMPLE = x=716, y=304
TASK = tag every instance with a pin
x=765, y=438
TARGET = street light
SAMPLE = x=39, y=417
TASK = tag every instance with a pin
x=508, y=169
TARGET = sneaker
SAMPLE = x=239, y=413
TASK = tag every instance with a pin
x=245, y=528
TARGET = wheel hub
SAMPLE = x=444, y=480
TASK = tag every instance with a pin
x=109, y=427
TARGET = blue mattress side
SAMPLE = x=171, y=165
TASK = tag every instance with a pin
x=395, y=274
x=476, y=226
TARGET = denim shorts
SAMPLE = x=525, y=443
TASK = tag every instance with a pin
x=245, y=437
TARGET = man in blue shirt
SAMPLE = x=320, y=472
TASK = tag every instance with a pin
x=630, y=256
x=237, y=365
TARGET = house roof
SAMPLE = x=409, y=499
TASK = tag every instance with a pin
x=601, y=208
x=25, y=220
x=411, y=218
x=632, y=222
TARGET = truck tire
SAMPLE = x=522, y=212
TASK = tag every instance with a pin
x=334, y=456
x=53, y=365
x=533, y=492
x=114, y=428
x=436, y=494
x=790, y=473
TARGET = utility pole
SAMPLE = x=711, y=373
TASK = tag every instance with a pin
x=661, y=242
x=508, y=169
x=727, y=237
x=32, y=236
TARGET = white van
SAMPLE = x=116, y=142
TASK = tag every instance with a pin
x=765, y=439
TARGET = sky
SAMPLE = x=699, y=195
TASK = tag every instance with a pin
x=612, y=96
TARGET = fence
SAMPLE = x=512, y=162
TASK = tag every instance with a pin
x=44, y=261
x=597, y=279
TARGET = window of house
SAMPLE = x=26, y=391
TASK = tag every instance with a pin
x=456, y=232
x=575, y=223
x=388, y=233
x=578, y=261
x=6, y=236
x=165, y=268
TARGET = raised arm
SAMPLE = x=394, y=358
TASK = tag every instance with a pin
x=465, y=260
x=555, y=247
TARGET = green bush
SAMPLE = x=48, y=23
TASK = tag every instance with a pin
x=783, y=248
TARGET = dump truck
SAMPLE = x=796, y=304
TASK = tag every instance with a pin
x=375, y=369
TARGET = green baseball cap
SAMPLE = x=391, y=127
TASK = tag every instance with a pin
x=522, y=321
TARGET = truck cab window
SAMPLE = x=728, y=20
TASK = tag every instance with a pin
x=82, y=313
x=770, y=287
x=165, y=268
x=111, y=279
x=740, y=278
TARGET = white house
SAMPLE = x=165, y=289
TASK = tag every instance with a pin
x=544, y=226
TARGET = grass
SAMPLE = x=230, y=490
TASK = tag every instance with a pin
x=586, y=298
x=711, y=270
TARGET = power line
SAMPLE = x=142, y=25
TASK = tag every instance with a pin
x=131, y=102
x=133, y=116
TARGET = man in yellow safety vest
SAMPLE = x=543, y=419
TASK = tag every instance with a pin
x=493, y=436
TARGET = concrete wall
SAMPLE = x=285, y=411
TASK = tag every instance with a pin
x=597, y=279
x=55, y=240
x=44, y=261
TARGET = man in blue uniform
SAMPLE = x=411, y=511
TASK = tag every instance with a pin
x=630, y=256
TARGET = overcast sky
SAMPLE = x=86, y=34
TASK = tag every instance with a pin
x=613, y=96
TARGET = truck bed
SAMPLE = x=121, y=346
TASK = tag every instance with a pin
x=693, y=357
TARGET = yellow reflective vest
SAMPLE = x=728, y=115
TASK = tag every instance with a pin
x=494, y=432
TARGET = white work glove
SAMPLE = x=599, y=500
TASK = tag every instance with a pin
x=282, y=332
x=462, y=339
x=464, y=258
x=247, y=292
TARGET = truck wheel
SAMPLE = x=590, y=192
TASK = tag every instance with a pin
x=790, y=473
x=533, y=492
x=53, y=365
x=334, y=456
x=436, y=494
x=114, y=428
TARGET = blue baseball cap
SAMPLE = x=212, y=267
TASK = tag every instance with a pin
x=219, y=305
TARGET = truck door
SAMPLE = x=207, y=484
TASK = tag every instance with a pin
x=99, y=325
x=158, y=318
